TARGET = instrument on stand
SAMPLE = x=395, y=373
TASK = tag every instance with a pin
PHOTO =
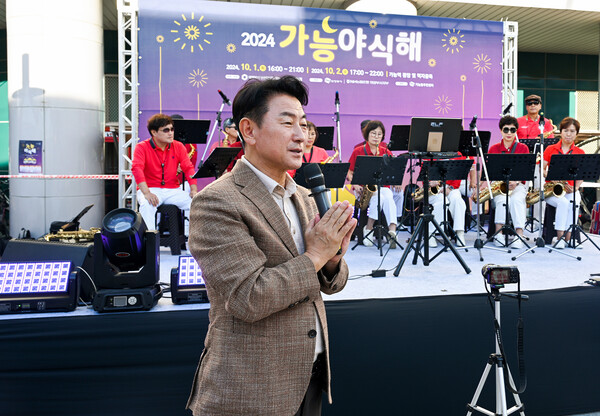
x=553, y=188
x=78, y=236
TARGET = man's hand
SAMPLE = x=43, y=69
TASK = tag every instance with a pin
x=325, y=236
x=151, y=198
x=193, y=190
x=568, y=188
x=512, y=185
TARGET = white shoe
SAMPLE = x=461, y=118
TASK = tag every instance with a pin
x=460, y=238
x=432, y=242
x=517, y=243
x=560, y=245
x=392, y=239
x=367, y=241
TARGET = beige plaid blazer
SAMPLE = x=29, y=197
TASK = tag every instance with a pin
x=259, y=349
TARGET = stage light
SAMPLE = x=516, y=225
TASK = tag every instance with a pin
x=402, y=7
x=187, y=283
x=126, y=263
x=38, y=287
x=122, y=237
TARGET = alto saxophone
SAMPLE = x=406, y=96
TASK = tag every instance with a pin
x=498, y=187
x=362, y=201
x=553, y=188
x=331, y=158
x=73, y=236
x=420, y=194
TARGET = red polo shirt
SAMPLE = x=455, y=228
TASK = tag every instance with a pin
x=530, y=128
x=148, y=160
x=556, y=149
x=365, y=150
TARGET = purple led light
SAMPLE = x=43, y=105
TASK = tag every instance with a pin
x=39, y=277
x=189, y=272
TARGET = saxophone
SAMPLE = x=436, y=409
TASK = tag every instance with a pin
x=78, y=236
x=420, y=194
x=362, y=201
x=498, y=187
x=331, y=158
x=554, y=188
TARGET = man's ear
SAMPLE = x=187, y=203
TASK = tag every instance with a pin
x=247, y=129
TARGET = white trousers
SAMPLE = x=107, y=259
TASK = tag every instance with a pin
x=456, y=207
x=169, y=196
x=516, y=206
x=564, y=209
x=399, y=200
x=388, y=206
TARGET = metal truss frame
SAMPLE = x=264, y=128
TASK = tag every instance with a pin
x=127, y=11
x=509, y=66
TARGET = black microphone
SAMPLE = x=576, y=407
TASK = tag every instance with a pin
x=473, y=122
x=224, y=97
x=337, y=98
x=542, y=121
x=507, y=109
x=316, y=183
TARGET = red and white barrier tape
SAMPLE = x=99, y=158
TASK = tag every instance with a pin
x=101, y=177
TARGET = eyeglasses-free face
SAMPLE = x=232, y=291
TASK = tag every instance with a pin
x=507, y=130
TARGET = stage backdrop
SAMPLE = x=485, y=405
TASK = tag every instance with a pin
x=386, y=67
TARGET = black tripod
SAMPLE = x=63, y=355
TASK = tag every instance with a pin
x=575, y=167
x=422, y=230
x=507, y=167
x=379, y=171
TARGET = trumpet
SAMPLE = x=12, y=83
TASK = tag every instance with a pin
x=554, y=188
x=331, y=158
x=419, y=194
x=362, y=201
x=498, y=187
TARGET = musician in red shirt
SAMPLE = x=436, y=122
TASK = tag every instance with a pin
x=154, y=168
x=373, y=134
x=569, y=129
x=516, y=201
x=532, y=124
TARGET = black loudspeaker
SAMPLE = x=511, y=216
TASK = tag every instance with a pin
x=81, y=255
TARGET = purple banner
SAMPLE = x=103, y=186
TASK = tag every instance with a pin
x=30, y=157
x=386, y=67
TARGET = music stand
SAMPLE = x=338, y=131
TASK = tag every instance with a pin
x=191, y=131
x=217, y=162
x=506, y=167
x=434, y=134
x=325, y=139
x=534, y=144
x=448, y=170
x=579, y=167
x=380, y=171
x=399, y=137
x=334, y=174
x=467, y=145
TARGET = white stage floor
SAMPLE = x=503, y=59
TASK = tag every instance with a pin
x=445, y=275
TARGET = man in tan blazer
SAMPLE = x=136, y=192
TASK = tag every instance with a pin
x=266, y=257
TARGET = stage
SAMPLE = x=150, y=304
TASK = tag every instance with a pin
x=415, y=344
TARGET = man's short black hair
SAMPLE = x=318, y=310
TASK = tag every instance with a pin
x=252, y=99
x=507, y=121
x=157, y=121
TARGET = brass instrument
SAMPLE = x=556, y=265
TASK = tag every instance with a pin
x=554, y=188
x=419, y=194
x=549, y=132
x=362, y=201
x=331, y=158
x=498, y=187
x=78, y=236
x=192, y=151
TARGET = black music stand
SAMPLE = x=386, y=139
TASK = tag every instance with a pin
x=217, y=162
x=325, y=139
x=190, y=132
x=334, y=174
x=506, y=167
x=422, y=231
x=534, y=144
x=448, y=170
x=399, y=137
x=467, y=145
x=380, y=171
x=578, y=167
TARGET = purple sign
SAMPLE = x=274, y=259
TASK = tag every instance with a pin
x=30, y=156
x=386, y=67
